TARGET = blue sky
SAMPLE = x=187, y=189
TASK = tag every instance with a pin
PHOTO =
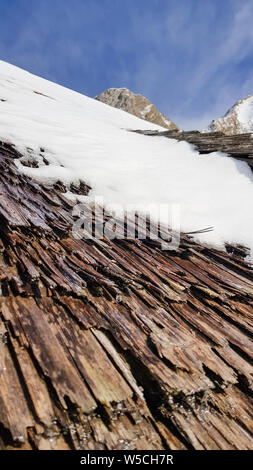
x=192, y=58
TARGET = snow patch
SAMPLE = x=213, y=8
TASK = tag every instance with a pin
x=146, y=110
x=167, y=122
x=245, y=114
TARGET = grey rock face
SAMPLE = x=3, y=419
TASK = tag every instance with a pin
x=138, y=105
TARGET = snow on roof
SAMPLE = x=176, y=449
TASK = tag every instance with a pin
x=84, y=139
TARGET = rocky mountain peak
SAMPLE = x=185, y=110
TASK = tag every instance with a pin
x=237, y=120
x=135, y=104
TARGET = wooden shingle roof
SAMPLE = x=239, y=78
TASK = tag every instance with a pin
x=117, y=344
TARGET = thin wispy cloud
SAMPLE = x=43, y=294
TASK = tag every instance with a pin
x=192, y=58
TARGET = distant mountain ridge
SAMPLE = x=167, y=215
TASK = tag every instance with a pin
x=237, y=120
x=135, y=104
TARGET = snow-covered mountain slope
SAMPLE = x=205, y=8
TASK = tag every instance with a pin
x=74, y=138
x=237, y=120
x=138, y=105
